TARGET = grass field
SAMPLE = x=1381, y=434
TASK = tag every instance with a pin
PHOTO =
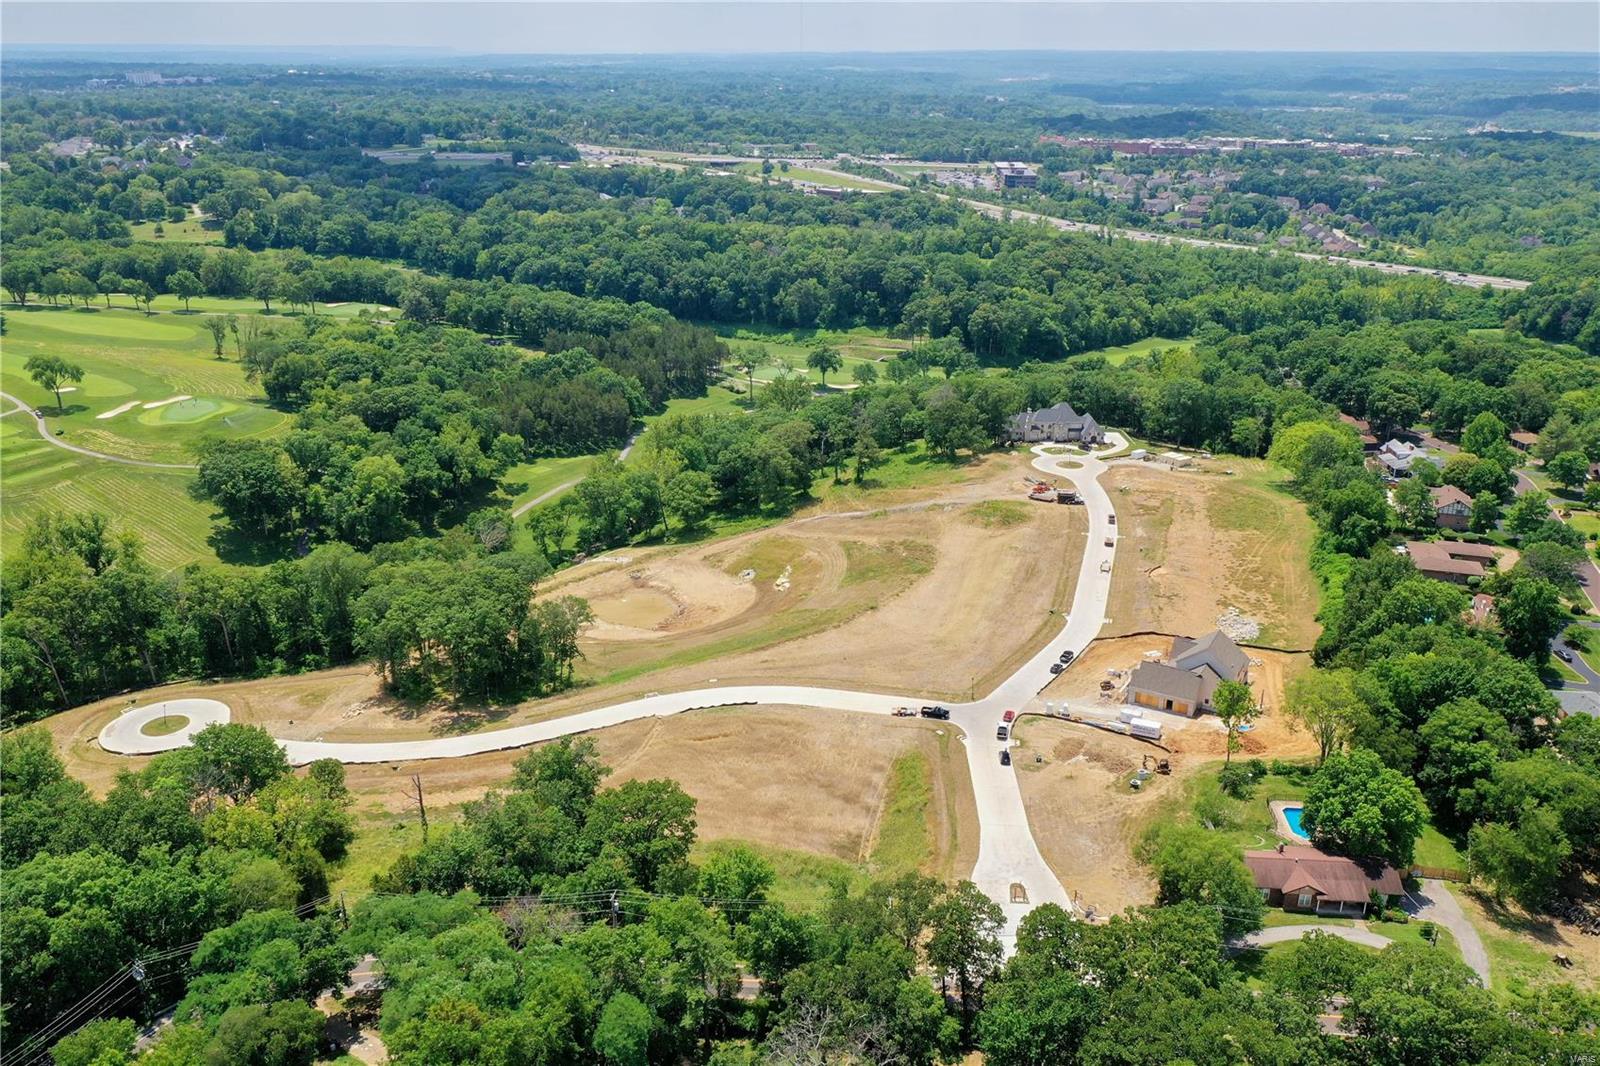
x=816, y=177
x=35, y=477
x=189, y=231
x=789, y=350
x=1122, y=353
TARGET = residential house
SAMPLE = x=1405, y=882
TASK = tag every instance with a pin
x=1479, y=612
x=1397, y=456
x=1454, y=507
x=1310, y=881
x=1524, y=441
x=1156, y=205
x=1369, y=443
x=1060, y=424
x=1447, y=560
x=1185, y=681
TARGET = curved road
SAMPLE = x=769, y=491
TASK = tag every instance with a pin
x=44, y=431
x=1007, y=853
x=993, y=210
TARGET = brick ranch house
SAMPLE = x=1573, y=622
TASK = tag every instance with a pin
x=1306, y=880
x=1451, y=561
x=1185, y=681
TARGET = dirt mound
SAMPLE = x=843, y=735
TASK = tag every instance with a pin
x=660, y=598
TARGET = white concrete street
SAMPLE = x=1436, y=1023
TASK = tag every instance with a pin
x=1007, y=853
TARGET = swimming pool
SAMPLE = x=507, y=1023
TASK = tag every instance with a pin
x=1292, y=816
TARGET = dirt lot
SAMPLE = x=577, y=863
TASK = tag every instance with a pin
x=1197, y=542
x=823, y=794
x=1081, y=809
x=1083, y=814
x=1270, y=671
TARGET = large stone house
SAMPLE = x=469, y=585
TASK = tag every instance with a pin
x=1060, y=424
x=1397, y=456
x=1309, y=881
x=1185, y=681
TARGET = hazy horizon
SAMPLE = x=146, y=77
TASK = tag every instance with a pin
x=641, y=27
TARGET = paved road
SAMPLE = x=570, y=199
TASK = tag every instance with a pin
x=522, y=509
x=1007, y=852
x=44, y=431
x=1288, y=934
x=1432, y=902
x=994, y=210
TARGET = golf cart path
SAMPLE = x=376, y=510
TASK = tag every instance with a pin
x=1007, y=853
x=44, y=431
x=550, y=494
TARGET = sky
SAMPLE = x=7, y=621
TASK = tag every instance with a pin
x=754, y=26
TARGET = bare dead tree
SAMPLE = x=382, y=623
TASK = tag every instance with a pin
x=414, y=796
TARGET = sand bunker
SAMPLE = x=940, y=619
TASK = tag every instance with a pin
x=655, y=600
x=115, y=411
x=163, y=403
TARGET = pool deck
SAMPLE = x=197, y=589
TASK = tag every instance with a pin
x=1280, y=821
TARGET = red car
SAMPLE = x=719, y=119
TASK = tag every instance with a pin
x=1008, y=716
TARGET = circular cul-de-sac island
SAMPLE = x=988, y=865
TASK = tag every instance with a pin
x=161, y=726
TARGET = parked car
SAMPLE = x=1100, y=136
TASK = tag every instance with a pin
x=1105, y=567
x=1111, y=519
x=1001, y=733
x=1066, y=657
x=1008, y=716
x=1056, y=668
x=1110, y=542
x=1005, y=757
x=941, y=713
x=1564, y=655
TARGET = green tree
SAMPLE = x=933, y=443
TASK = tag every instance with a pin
x=687, y=498
x=824, y=359
x=1357, y=806
x=1530, y=615
x=1485, y=437
x=952, y=424
x=1306, y=448
x=109, y=282
x=1195, y=865
x=622, y=1038
x=1569, y=469
x=736, y=878
x=51, y=372
x=217, y=326
x=965, y=941
x=185, y=284
x=107, y=1042
x=1485, y=513
x=235, y=760
x=19, y=277
x=1552, y=562
x=286, y=1033
x=1524, y=861
x=266, y=282
x=865, y=451
x=1412, y=1005
x=1324, y=703
x=1414, y=501
x=1233, y=703
x=864, y=374
x=1527, y=514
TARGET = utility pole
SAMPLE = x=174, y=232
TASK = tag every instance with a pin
x=414, y=797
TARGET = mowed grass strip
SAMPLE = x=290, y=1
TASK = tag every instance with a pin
x=154, y=503
x=904, y=843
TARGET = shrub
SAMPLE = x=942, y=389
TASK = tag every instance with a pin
x=1236, y=781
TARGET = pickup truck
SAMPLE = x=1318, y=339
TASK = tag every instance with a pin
x=941, y=713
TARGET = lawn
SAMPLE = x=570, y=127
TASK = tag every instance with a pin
x=155, y=503
x=1120, y=354
x=132, y=363
x=190, y=231
x=815, y=177
x=1249, y=824
x=903, y=468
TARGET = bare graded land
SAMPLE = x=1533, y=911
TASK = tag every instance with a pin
x=1199, y=541
x=1270, y=672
